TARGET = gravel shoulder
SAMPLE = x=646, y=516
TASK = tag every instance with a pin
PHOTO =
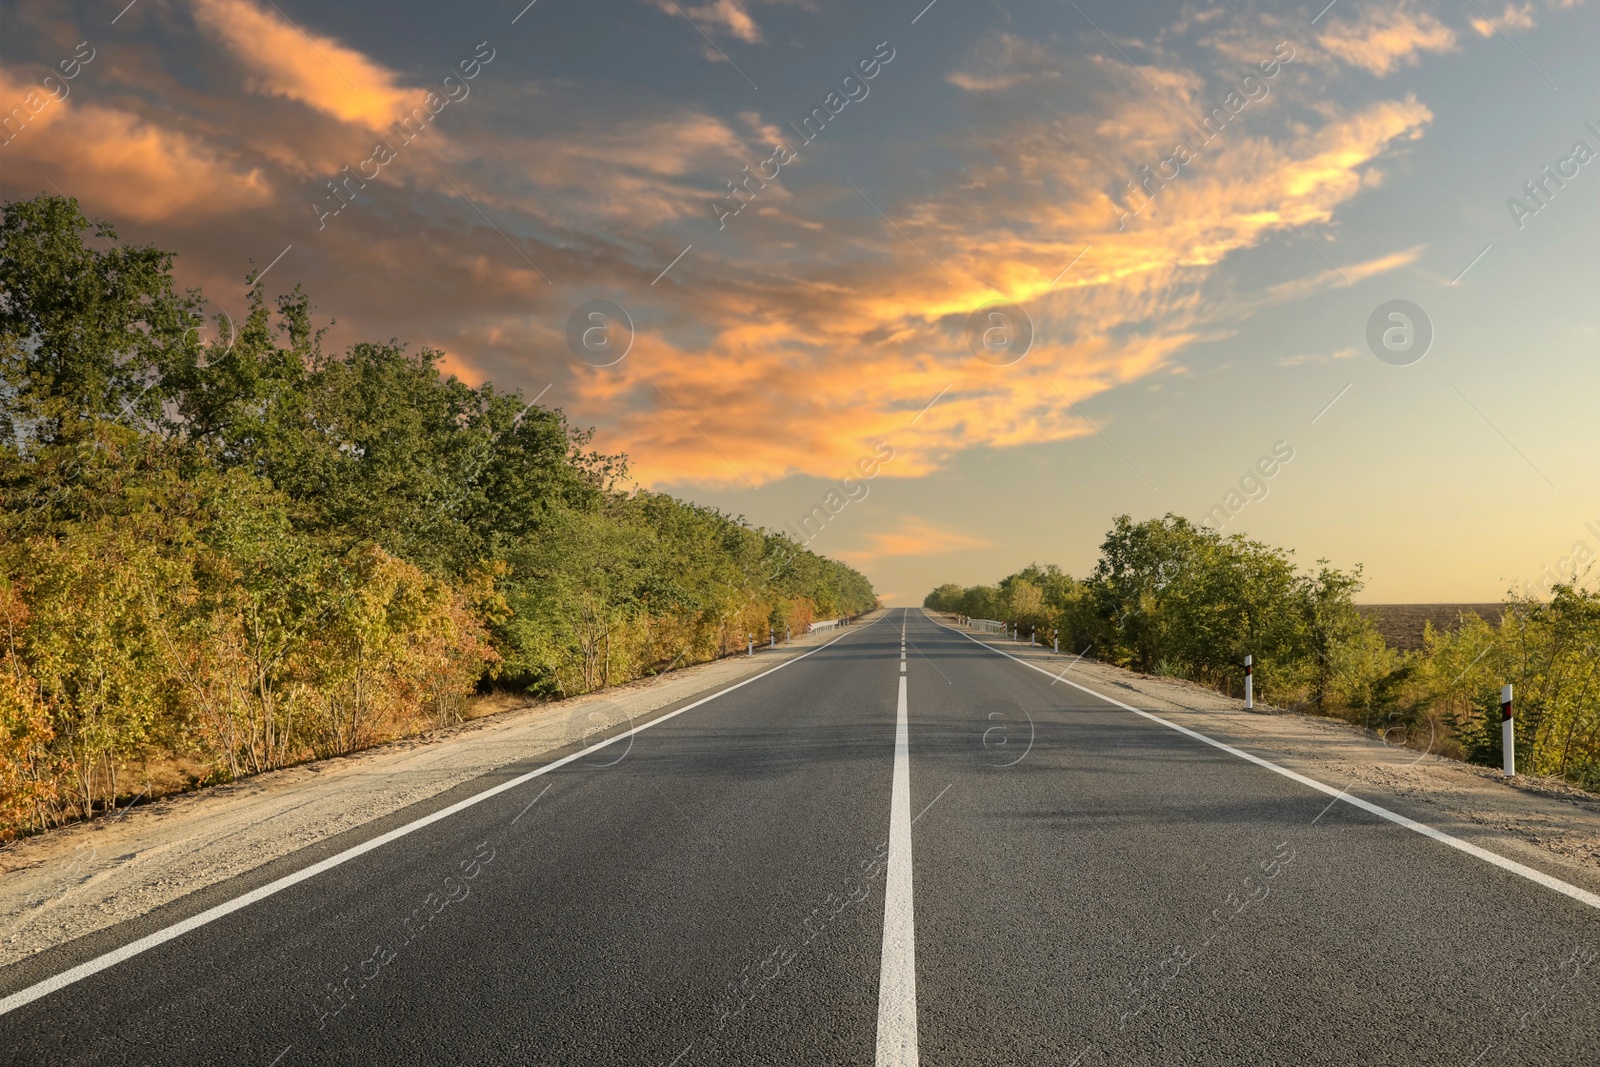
x=1544, y=823
x=67, y=883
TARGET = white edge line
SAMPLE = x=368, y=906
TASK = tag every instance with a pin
x=210, y=915
x=1549, y=882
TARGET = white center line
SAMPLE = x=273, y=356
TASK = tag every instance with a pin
x=897, y=980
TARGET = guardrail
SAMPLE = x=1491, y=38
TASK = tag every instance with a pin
x=829, y=624
x=988, y=626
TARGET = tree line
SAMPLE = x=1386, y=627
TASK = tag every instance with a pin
x=1172, y=598
x=225, y=549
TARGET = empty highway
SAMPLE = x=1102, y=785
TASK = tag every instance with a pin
x=903, y=847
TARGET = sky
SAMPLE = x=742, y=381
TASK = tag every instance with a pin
x=940, y=288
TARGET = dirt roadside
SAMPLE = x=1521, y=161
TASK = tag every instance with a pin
x=1541, y=822
x=70, y=882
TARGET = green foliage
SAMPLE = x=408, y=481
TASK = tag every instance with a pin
x=84, y=331
x=234, y=549
x=1170, y=597
x=1550, y=652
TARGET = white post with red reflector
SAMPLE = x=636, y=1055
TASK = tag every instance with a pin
x=1249, y=682
x=1508, y=732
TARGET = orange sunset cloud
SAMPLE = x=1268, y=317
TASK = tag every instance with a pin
x=150, y=172
x=1380, y=39
x=913, y=536
x=314, y=70
x=802, y=371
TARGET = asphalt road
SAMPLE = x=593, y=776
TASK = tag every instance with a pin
x=850, y=861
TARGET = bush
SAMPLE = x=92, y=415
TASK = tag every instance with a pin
x=1172, y=598
x=252, y=553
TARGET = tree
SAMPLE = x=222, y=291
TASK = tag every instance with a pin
x=85, y=333
x=243, y=548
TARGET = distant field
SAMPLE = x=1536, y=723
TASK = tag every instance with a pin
x=1401, y=624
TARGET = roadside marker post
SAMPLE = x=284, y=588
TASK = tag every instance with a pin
x=750, y=641
x=1508, y=732
x=772, y=637
x=1249, y=682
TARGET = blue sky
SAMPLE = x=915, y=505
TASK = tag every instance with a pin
x=986, y=161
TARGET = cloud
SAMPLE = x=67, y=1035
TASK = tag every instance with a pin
x=1380, y=39
x=1349, y=274
x=812, y=331
x=799, y=366
x=283, y=60
x=1326, y=357
x=914, y=536
x=787, y=364
x=725, y=16
x=147, y=171
x=1513, y=18
x=641, y=171
x=1004, y=61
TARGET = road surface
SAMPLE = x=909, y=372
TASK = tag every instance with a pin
x=904, y=847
